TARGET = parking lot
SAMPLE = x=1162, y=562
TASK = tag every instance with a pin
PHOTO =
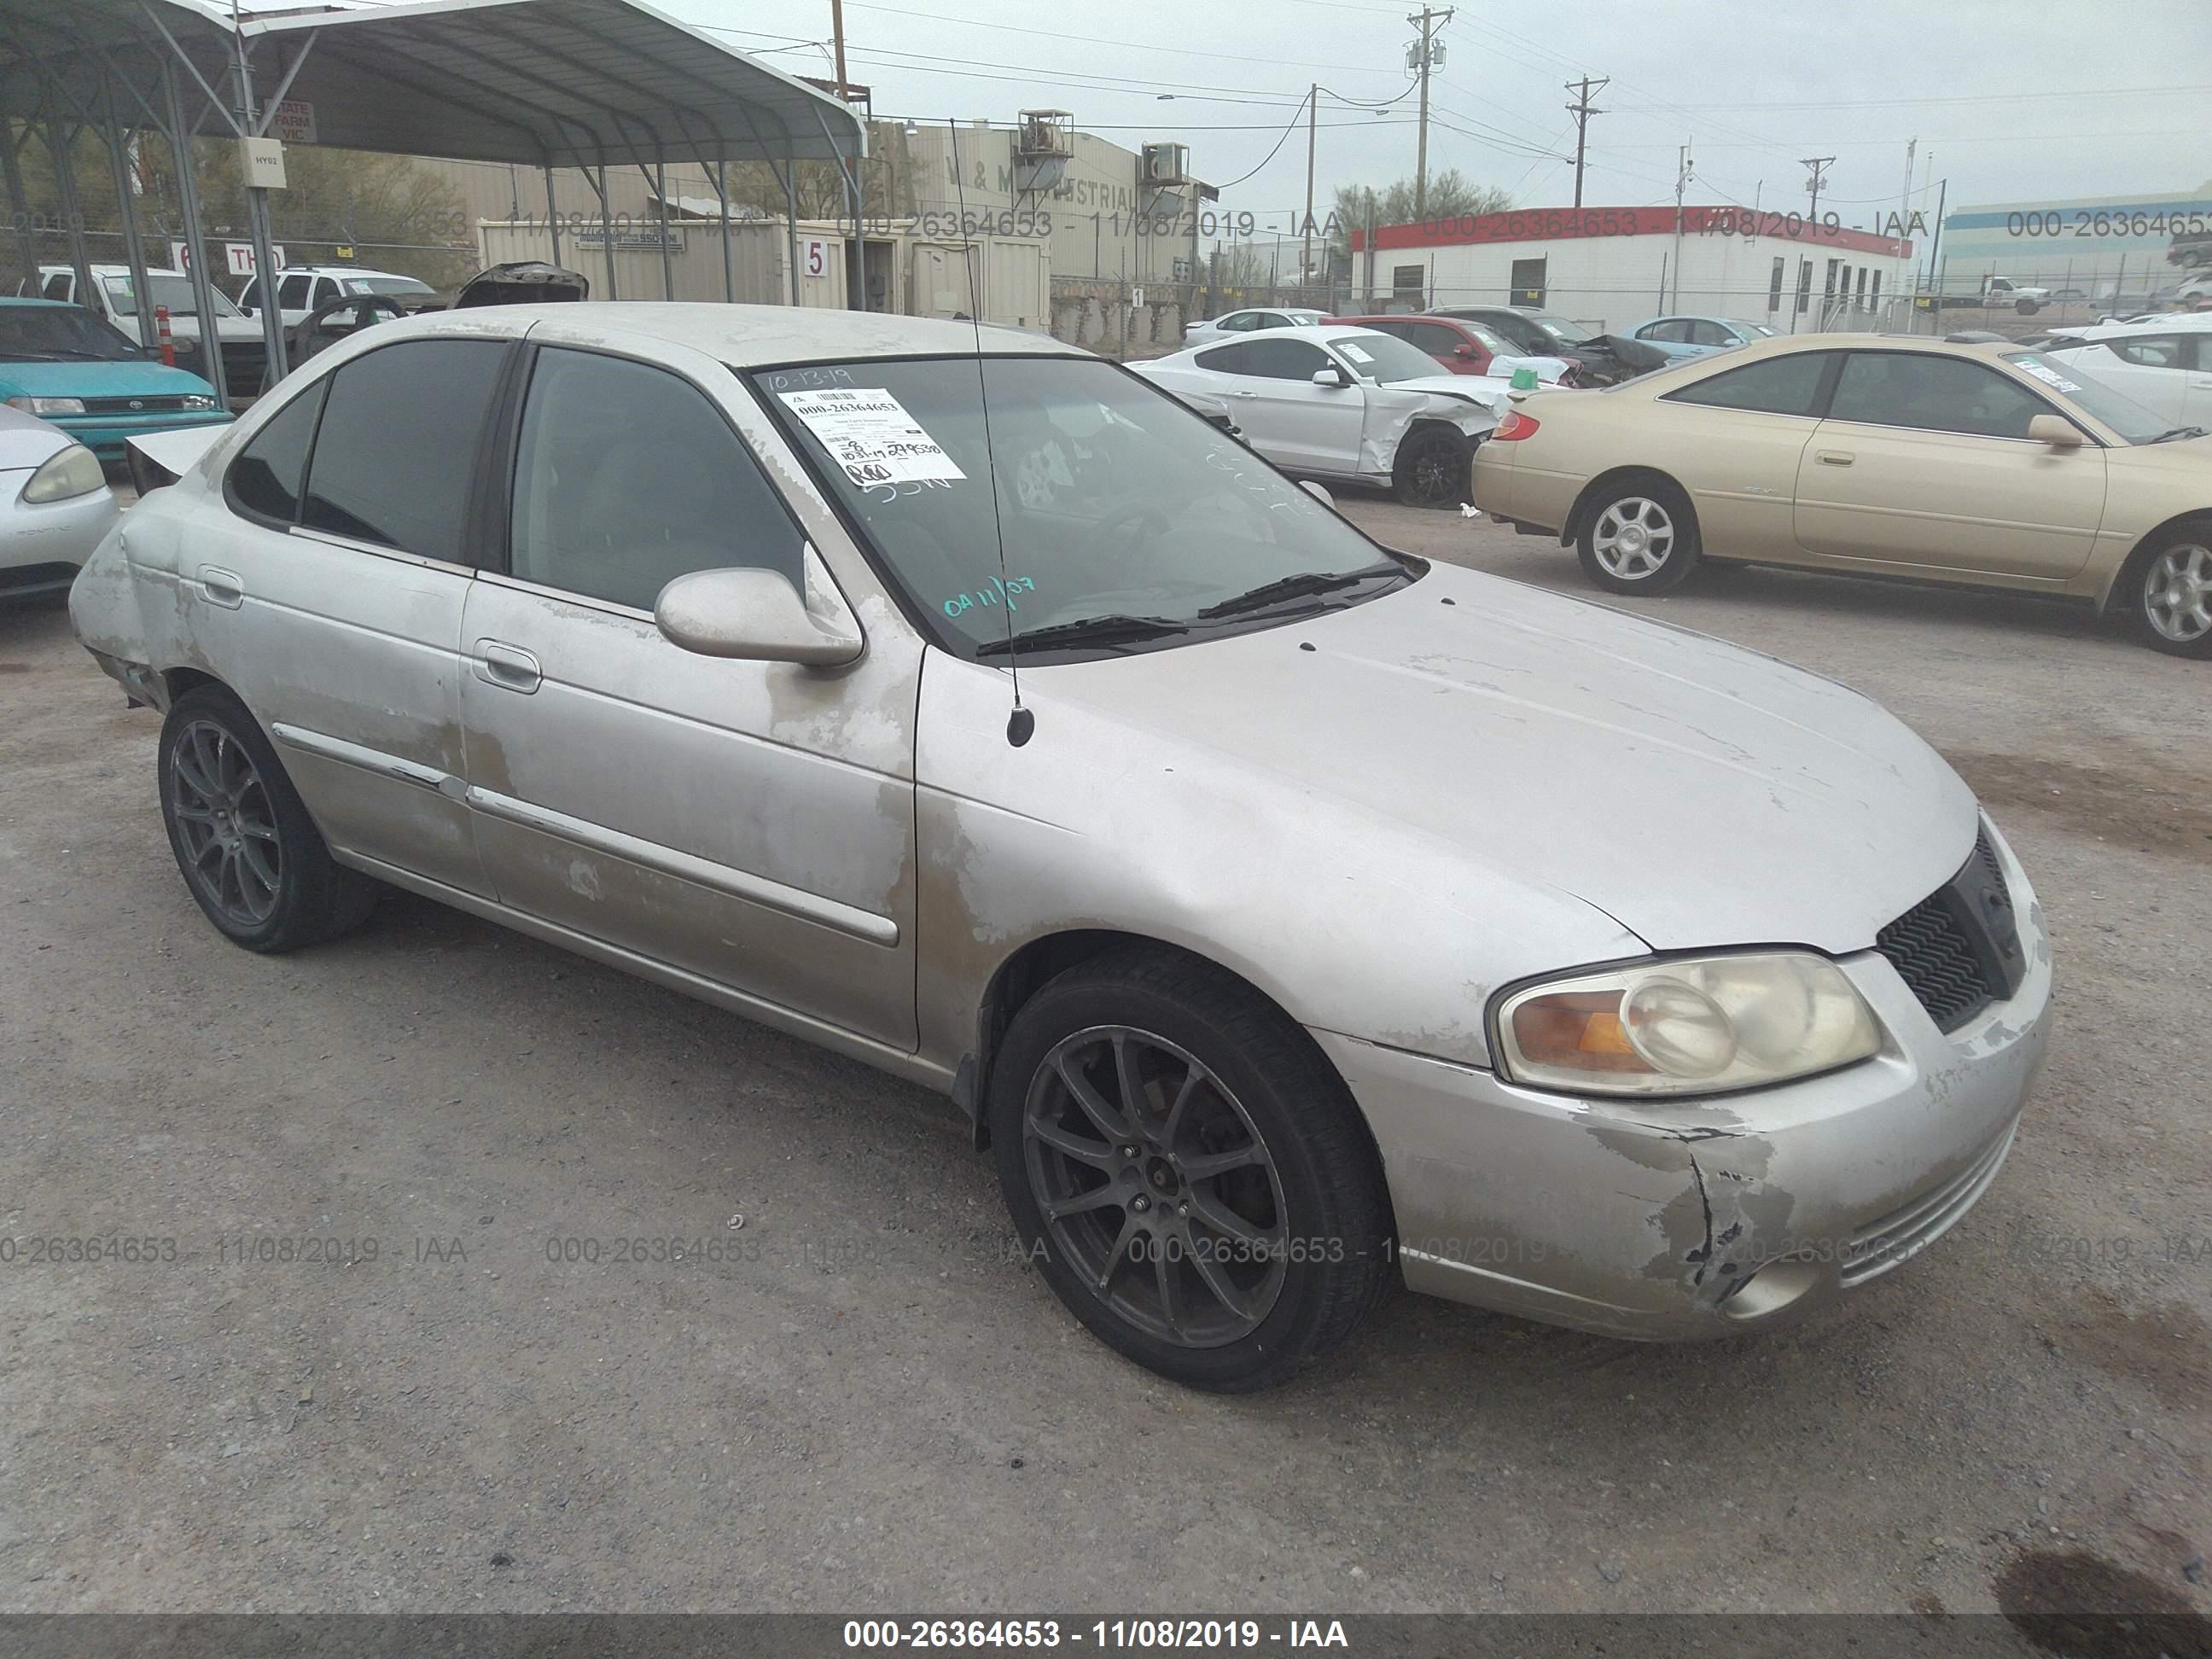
x=868, y=1399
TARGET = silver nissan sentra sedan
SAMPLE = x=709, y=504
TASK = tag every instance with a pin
x=1290, y=915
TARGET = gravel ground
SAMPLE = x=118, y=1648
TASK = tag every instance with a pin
x=872, y=1406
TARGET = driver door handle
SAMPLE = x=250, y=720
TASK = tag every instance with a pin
x=1834, y=456
x=507, y=667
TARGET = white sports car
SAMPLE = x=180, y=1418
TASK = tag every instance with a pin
x=1347, y=404
x=1235, y=324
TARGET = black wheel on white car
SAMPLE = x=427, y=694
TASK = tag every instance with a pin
x=2172, y=591
x=1190, y=1176
x=251, y=855
x=1432, y=468
x=2028, y=307
x=1639, y=538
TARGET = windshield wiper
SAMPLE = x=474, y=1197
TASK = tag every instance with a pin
x=1298, y=587
x=2173, y=432
x=1110, y=629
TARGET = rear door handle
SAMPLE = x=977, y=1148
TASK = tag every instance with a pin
x=507, y=667
x=1235, y=393
x=1834, y=456
x=222, y=587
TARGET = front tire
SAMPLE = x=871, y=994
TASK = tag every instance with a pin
x=2028, y=307
x=1193, y=1180
x=1432, y=467
x=1640, y=537
x=250, y=854
x=2170, y=591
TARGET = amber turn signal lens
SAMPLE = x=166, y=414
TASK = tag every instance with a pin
x=1577, y=1029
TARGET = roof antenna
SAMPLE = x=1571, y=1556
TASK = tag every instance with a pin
x=1021, y=724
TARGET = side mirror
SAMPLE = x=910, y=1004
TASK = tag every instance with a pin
x=1332, y=377
x=1462, y=351
x=757, y=616
x=2055, y=430
x=1317, y=492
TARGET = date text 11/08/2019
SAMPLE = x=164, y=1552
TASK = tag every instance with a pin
x=1185, y=1635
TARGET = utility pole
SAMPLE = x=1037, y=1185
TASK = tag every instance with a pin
x=1819, y=164
x=1305, y=253
x=1685, y=170
x=1581, y=110
x=1423, y=55
x=837, y=35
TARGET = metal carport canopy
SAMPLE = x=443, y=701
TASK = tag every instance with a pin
x=560, y=83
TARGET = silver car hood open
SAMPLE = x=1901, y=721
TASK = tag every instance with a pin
x=1699, y=793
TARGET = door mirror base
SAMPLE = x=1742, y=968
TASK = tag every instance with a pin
x=757, y=616
x=1335, y=379
x=2056, y=430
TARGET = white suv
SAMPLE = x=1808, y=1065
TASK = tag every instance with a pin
x=2164, y=363
x=301, y=289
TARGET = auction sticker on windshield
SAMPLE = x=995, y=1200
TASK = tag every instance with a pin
x=872, y=436
x=2049, y=376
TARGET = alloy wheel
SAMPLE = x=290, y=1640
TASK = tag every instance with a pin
x=1632, y=537
x=225, y=824
x=1155, y=1186
x=2176, y=594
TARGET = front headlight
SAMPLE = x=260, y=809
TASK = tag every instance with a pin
x=75, y=472
x=196, y=400
x=1695, y=1026
x=48, y=405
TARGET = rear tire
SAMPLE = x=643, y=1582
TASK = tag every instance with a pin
x=2169, y=590
x=1191, y=1177
x=251, y=856
x=1432, y=467
x=1638, y=537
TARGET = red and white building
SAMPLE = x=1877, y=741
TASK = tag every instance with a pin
x=1611, y=267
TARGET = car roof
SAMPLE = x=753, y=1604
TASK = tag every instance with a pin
x=1779, y=346
x=1313, y=332
x=2181, y=322
x=345, y=270
x=747, y=337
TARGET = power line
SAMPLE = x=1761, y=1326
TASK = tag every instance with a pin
x=1127, y=46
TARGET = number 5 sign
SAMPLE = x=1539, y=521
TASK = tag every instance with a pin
x=814, y=256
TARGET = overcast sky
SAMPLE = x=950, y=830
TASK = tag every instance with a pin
x=2017, y=100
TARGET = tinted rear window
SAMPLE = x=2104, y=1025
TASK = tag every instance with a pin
x=397, y=445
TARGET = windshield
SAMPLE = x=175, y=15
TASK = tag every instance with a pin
x=1383, y=358
x=2123, y=414
x=1114, y=499
x=386, y=285
x=1560, y=328
x=169, y=288
x=31, y=333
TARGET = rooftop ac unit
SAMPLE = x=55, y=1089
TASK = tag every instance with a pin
x=1044, y=133
x=1165, y=165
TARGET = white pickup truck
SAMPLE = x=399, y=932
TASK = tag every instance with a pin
x=1994, y=291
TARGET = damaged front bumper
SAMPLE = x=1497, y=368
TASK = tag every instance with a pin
x=1657, y=1220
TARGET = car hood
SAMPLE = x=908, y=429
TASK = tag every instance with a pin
x=27, y=441
x=1467, y=388
x=1699, y=794
x=75, y=378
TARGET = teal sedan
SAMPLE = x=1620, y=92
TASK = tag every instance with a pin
x=63, y=364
